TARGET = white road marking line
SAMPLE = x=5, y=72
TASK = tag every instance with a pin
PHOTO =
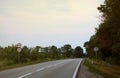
x=25, y=75
x=76, y=70
x=40, y=69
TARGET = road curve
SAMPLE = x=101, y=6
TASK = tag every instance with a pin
x=52, y=69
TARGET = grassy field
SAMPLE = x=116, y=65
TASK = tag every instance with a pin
x=103, y=68
x=5, y=67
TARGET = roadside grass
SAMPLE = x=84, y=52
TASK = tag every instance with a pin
x=5, y=67
x=103, y=68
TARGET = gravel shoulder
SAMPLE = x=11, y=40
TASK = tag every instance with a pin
x=84, y=72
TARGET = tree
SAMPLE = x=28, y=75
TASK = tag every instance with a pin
x=34, y=54
x=78, y=52
x=109, y=31
x=67, y=50
x=107, y=36
x=1, y=51
x=37, y=48
x=10, y=55
x=54, y=52
x=89, y=45
x=25, y=54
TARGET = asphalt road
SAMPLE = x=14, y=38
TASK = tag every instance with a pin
x=53, y=69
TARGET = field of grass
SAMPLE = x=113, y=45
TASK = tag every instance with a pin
x=103, y=68
x=5, y=67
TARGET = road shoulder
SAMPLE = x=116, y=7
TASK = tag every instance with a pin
x=84, y=72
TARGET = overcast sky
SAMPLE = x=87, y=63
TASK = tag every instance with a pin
x=48, y=22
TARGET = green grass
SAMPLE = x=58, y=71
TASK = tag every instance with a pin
x=103, y=68
x=5, y=67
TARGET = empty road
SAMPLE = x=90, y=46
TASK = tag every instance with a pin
x=52, y=69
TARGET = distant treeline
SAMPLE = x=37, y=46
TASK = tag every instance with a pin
x=9, y=55
x=107, y=36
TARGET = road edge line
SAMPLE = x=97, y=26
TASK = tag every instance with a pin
x=76, y=70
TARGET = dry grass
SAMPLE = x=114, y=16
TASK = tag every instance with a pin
x=103, y=68
x=5, y=67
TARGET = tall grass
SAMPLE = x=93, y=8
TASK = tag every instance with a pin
x=7, y=65
x=103, y=68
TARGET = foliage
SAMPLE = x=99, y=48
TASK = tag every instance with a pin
x=10, y=56
x=78, y=52
x=67, y=50
x=107, y=36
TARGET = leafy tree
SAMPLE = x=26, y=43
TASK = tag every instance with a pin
x=34, y=55
x=25, y=54
x=107, y=36
x=37, y=48
x=54, y=52
x=78, y=52
x=67, y=50
x=89, y=45
x=10, y=55
x=109, y=31
x=1, y=51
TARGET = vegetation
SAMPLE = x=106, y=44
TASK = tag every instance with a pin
x=78, y=52
x=9, y=57
x=4, y=67
x=106, y=60
x=103, y=68
x=107, y=36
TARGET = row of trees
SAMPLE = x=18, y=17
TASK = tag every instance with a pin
x=107, y=36
x=9, y=55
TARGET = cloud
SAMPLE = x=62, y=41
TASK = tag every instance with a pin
x=54, y=10
x=48, y=18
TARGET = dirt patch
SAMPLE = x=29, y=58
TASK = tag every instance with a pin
x=84, y=72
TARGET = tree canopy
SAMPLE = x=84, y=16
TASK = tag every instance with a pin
x=107, y=36
x=9, y=55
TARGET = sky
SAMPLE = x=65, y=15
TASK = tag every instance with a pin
x=48, y=22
